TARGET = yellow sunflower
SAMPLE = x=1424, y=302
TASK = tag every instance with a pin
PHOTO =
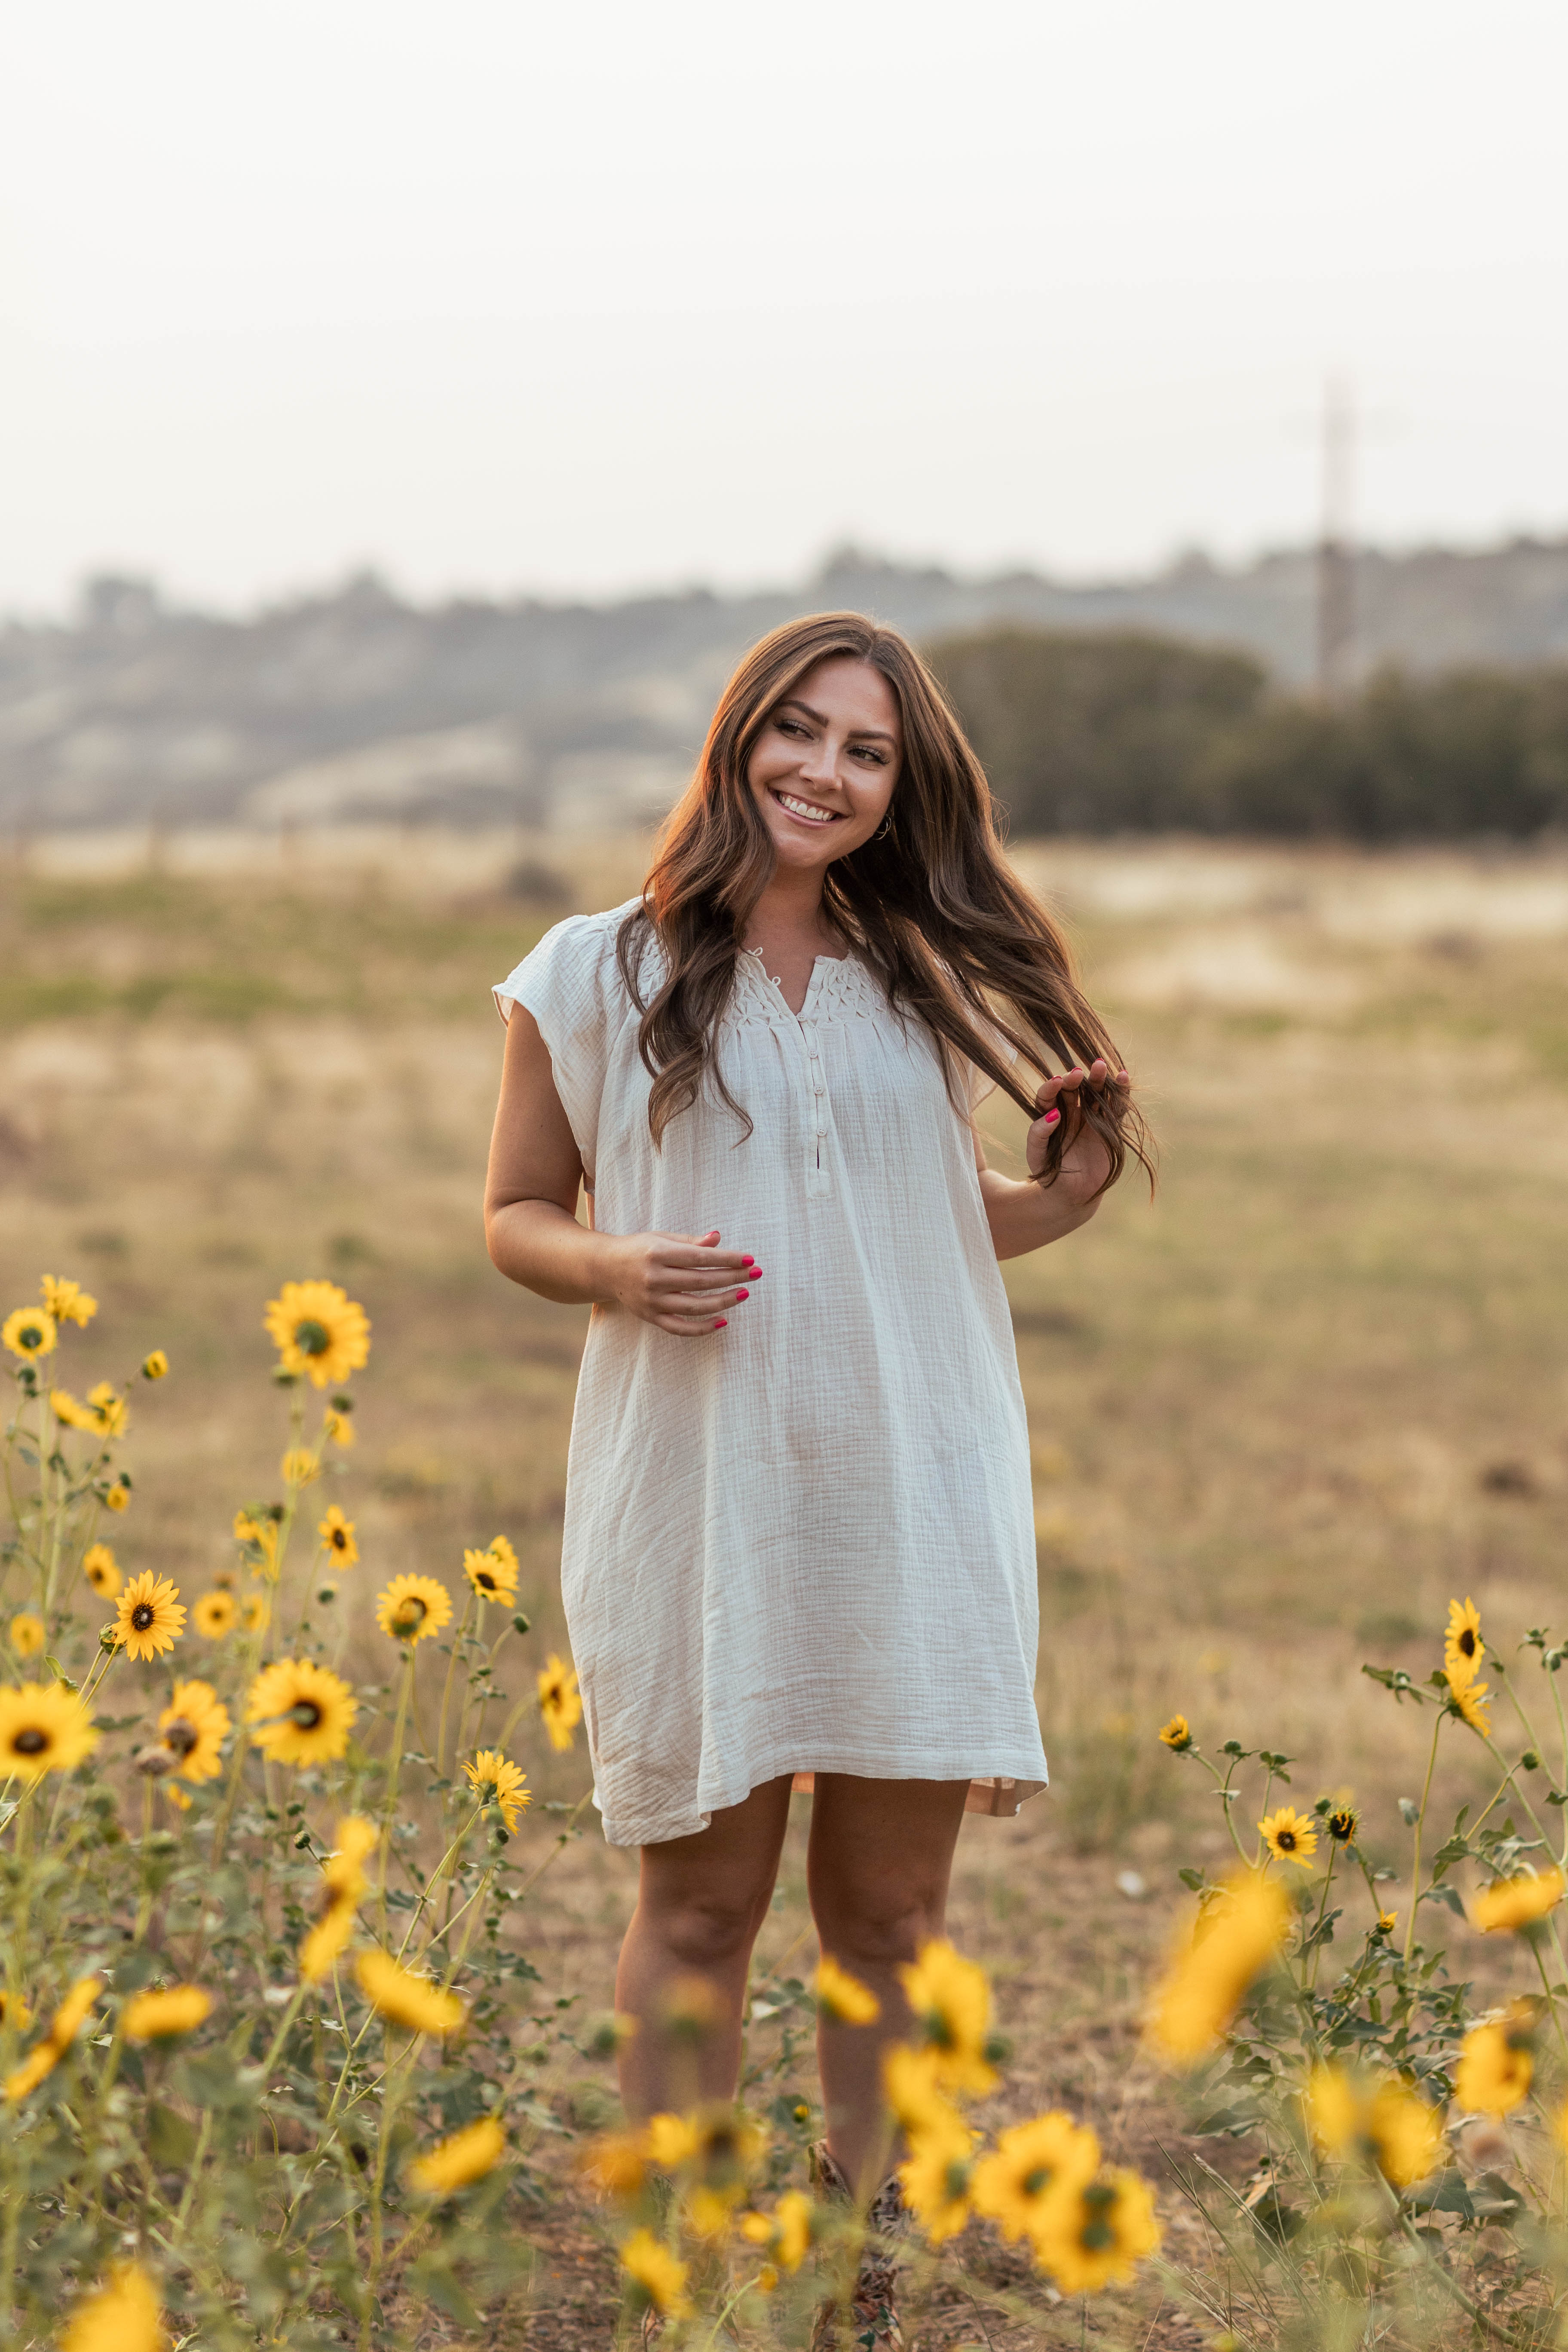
x=1030, y=2164
x=118, y=1496
x=26, y=1634
x=1507, y=1902
x=466, y=2155
x=658, y=2275
x=344, y=1871
x=784, y=2234
x=149, y=1619
x=1235, y=1939
x=1471, y=1700
x=909, y=2082
x=29, y=1332
x=161, y=2016
x=339, y=1429
x=1377, y=2119
x=108, y=1411
x=44, y=1727
x=672, y=2141
x=64, y=2027
x=1463, y=1648
x=501, y=1783
x=68, y=1302
x=842, y=1998
x=298, y=1468
x=338, y=1535
x=256, y=1612
x=1099, y=2232
x=397, y=1993
x=559, y=1701
x=413, y=1607
x=951, y=1999
x=1496, y=2064
x=155, y=1366
x=101, y=1570
x=1177, y=1734
x=615, y=2165
x=492, y=1577
x=123, y=2317
x=193, y=1727
x=1289, y=1836
x=327, y=1941
x=258, y=1532
x=303, y=1712
x=68, y=1413
x=1342, y=1824
x=24, y=2016
x=215, y=1615
x=938, y=2178
x=317, y=1329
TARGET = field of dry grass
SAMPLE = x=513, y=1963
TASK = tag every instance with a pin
x=1279, y=1415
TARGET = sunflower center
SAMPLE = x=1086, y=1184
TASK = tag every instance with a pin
x=312, y=1339
x=305, y=1713
x=141, y=1616
x=340, y=1540
x=955, y=2179
x=181, y=1736
x=1034, y=2182
x=30, y=1336
x=485, y=1581
x=1097, y=2237
x=30, y=1742
x=412, y=1614
x=1468, y=1642
x=1287, y=1841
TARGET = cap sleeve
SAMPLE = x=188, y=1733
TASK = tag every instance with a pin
x=571, y=984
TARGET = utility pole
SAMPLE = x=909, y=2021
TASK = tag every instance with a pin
x=1336, y=549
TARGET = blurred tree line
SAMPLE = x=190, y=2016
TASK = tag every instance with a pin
x=1128, y=731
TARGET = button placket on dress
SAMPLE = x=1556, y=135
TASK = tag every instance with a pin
x=815, y=1102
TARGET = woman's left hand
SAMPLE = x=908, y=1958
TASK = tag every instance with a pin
x=1085, y=1162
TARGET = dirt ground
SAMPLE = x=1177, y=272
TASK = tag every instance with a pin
x=1279, y=1415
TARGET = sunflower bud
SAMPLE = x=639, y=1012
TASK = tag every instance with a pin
x=108, y=1639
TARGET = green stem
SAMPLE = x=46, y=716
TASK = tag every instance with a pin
x=458, y=1638
x=1420, y=1820
x=1322, y=1906
x=394, y=1773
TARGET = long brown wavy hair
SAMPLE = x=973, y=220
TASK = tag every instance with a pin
x=931, y=907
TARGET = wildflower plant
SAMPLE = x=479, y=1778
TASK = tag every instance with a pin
x=1409, y=2133
x=258, y=2078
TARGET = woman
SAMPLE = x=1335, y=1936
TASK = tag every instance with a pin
x=799, y=1528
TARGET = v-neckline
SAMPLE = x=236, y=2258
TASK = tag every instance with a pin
x=775, y=988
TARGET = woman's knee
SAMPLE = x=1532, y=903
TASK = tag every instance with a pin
x=703, y=1930
x=877, y=1925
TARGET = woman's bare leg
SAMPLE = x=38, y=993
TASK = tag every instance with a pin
x=877, y=1868
x=700, y=1901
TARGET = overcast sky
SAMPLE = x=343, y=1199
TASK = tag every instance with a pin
x=500, y=296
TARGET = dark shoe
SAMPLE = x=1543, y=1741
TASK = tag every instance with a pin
x=869, y=2321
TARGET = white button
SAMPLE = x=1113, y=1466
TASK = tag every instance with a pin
x=822, y=1128
x=820, y=1090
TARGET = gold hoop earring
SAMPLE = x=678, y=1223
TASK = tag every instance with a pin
x=884, y=829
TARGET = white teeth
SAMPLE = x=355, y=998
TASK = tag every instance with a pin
x=805, y=809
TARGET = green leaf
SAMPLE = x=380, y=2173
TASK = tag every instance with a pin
x=1447, y=2194
x=432, y=2278
x=171, y=2139
x=1492, y=2200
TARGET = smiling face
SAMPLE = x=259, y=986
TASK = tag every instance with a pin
x=822, y=771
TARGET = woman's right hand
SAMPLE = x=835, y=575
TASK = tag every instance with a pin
x=676, y=1281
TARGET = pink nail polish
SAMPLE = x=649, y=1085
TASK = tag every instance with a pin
x=722, y=1323
x=739, y=1295
x=1052, y=1117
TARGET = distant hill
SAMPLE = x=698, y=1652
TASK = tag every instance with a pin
x=356, y=705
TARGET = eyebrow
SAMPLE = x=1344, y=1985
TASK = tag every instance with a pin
x=794, y=702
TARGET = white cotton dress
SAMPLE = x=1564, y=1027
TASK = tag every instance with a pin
x=804, y=1543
